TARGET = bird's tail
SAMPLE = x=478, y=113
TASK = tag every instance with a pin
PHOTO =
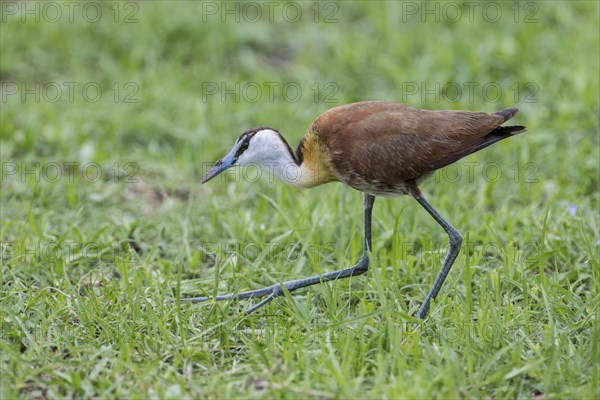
x=499, y=134
x=502, y=132
x=508, y=113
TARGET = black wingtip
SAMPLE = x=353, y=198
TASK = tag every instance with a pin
x=510, y=130
x=508, y=113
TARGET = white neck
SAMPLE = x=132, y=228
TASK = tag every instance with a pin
x=269, y=150
x=280, y=164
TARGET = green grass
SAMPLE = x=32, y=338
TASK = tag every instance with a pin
x=84, y=315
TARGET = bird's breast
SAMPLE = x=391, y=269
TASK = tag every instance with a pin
x=316, y=167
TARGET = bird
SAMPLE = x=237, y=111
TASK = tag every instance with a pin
x=380, y=148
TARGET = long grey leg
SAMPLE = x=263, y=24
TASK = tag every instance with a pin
x=455, y=244
x=276, y=290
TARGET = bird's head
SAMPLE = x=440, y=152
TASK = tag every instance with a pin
x=259, y=146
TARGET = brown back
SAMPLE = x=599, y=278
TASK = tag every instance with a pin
x=391, y=143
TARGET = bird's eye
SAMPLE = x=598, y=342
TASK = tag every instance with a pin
x=245, y=145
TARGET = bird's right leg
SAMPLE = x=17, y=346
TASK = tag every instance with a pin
x=277, y=290
x=455, y=239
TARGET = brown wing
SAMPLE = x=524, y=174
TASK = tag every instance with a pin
x=391, y=143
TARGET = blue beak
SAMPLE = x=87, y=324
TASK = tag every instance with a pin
x=220, y=166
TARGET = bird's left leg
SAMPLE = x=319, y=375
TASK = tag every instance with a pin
x=277, y=290
x=455, y=243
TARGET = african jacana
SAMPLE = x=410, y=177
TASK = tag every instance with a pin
x=379, y=148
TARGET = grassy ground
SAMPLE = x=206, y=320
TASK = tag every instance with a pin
x=109, y=120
